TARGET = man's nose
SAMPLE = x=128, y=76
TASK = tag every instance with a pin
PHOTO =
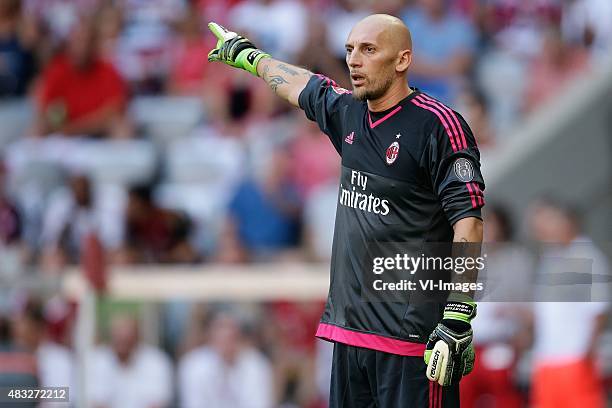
x=353, y=59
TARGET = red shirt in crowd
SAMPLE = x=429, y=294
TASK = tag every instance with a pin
x=80, y=92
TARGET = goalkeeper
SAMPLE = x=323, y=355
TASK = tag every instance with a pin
x=410, y=170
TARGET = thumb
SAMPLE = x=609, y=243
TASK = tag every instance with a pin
x=213, y=55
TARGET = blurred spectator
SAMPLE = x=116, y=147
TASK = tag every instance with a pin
x=109, y=29
x=319, y=218
x=324, y=61
x=159, y=11
x=323, y=367
x=215, y=10
x=59, y=16
x=264, y=214
x=18, y=367
x=129, y=373
x=444, y=46
x=558, y=64
x=12, y=252
x=10, y=220
x=518, y=25
x=566, y=333
x=588, y=23
x=17, y=63
x=154, y=234
x=288, y=17
x=237, y=105
x=189, y=63
x=474, y=108
x=315, y=161
x=227, y=372
x=340, y=19
x=143, y=50
x=70, y=217
x=392, y=7
x=500, y=327
x=81, y=94
x=293, y=348
x=55, y=363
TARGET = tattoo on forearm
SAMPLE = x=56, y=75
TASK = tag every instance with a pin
x=276, y=80
x=287, y=69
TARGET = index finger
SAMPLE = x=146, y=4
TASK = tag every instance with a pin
x=218, y=30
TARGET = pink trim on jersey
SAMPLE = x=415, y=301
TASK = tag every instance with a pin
x=444, y=123
x=452, y=113
x=430, y=102
x=472, y=195
x=479, y=194
x=330, y=82
x=381, y=120
x=371, y=341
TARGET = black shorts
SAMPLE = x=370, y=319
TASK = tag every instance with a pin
x=364, y=378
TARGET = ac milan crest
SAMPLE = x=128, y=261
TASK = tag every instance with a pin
x=392, y=152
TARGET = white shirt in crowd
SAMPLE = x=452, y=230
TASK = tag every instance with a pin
x=563, y=330
x=145, y=382
x=206, y=381
x=56, y=369
x=281, y=16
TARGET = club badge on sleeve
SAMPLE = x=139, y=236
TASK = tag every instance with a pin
x=463, y=169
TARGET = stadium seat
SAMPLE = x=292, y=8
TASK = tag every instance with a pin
x=123, y=162
x=15, y=116
x=204, y=159
x=167, y=118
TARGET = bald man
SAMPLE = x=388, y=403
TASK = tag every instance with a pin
x=410, y=173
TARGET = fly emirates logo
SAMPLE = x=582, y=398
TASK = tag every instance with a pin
x=357, y=197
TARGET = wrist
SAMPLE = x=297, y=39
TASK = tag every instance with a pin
x=261, y=65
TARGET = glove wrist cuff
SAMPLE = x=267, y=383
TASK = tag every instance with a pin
x=464, y=311
x=249, y=59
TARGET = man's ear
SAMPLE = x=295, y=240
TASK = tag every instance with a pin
x=404, y=61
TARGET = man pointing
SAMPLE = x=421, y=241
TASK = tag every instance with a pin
x=410, y=171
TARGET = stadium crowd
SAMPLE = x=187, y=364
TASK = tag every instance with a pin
x=114, y=126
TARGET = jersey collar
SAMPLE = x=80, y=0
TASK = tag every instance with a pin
x=376, y=118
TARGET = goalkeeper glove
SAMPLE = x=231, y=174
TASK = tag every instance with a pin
x=235, y=50
x=449, y=353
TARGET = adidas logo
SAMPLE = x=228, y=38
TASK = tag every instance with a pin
x=350, y=138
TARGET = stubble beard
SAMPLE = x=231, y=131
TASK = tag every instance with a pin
x=377, y=90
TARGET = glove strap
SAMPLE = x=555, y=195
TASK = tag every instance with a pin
x=460, y=307
x=249, y=59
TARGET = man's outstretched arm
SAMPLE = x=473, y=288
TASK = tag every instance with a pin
x=286, y=80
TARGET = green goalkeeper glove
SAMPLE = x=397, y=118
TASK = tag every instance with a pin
x=449, y=353
x=235, y=50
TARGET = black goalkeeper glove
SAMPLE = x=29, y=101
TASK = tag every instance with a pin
x=235, y=50
x=449, y=353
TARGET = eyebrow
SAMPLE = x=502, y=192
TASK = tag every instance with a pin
x=362, y=44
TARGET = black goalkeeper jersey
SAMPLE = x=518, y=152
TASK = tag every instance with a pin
x=408, y=173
